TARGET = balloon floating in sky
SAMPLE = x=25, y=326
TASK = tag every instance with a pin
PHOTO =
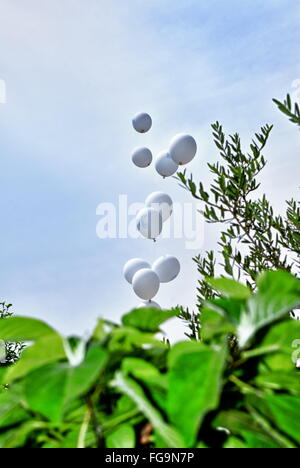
x=167, y=268
x=162, y=202
x=165, y=166
x=183, y=149
x=146, y=280
x=142, y=157
x=149, y=305
x=149, y=222
x=146, y=284
x=132, y=267
x=142, y=122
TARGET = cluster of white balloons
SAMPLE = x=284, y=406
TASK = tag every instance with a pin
x=182, y=149
x=158, y=208
x=146, y=279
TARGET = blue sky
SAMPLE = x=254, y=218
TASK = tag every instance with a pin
x=76, y=72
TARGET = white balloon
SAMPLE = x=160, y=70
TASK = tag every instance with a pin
x=142, y=122
x=149, y=305
x=146, y=284
x=165, y=165
x=142, y=157
x=167, y=268
x=149, y=222
x=162, y=202
x=183, y=149
x=132, y=267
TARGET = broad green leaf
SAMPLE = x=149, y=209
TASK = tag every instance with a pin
x=231, y=308
x=286, y=335
x=240, y=423
x=126, y=339
x=148, y=320
x=259, y=441
x=144, y=371
x=16, y=437
x=214, y=324
x=230, y=288
x=234, y=443
x=82, y=377
x=45, y=391
x=285, y=410
x=132, y=389
x=261, y=413
x=122, y=437
x=49, y=389
x=279, y=381
x=11, y=412
x=150, y=376
x=236, y=421
x=47, y=350
x=24, y=329
x=195, y=385
x=278, y=293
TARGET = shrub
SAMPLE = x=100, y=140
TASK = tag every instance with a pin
x=126, y=387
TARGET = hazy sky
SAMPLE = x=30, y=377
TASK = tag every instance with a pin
x=76, y=72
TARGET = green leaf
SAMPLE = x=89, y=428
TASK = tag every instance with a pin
x=234, y=443
x=214, y=324
x=286, y=336
x=11, y=412
x=24, y=329
x=285, y=410
x=195, y=384
x=122, y=437
x=148, y=320
x=231, y=308
x=44, y=351
x=17, y=437
x=259, y=441
x=278, y=293
x=150, y=376
x=145, y=371
x=126, y=339
x=230, y=288
x=131, y=388
x=49, y=389
x=235, y=421
x=260, y=413
x=279, y=381
x=99, y=331
x=240, y=423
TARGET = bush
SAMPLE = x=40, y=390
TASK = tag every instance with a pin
x=126, y=387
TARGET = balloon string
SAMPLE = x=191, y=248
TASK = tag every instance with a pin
x=154, y=250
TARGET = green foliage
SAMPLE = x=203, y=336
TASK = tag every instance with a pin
x=125, y=387
x=289, y=109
